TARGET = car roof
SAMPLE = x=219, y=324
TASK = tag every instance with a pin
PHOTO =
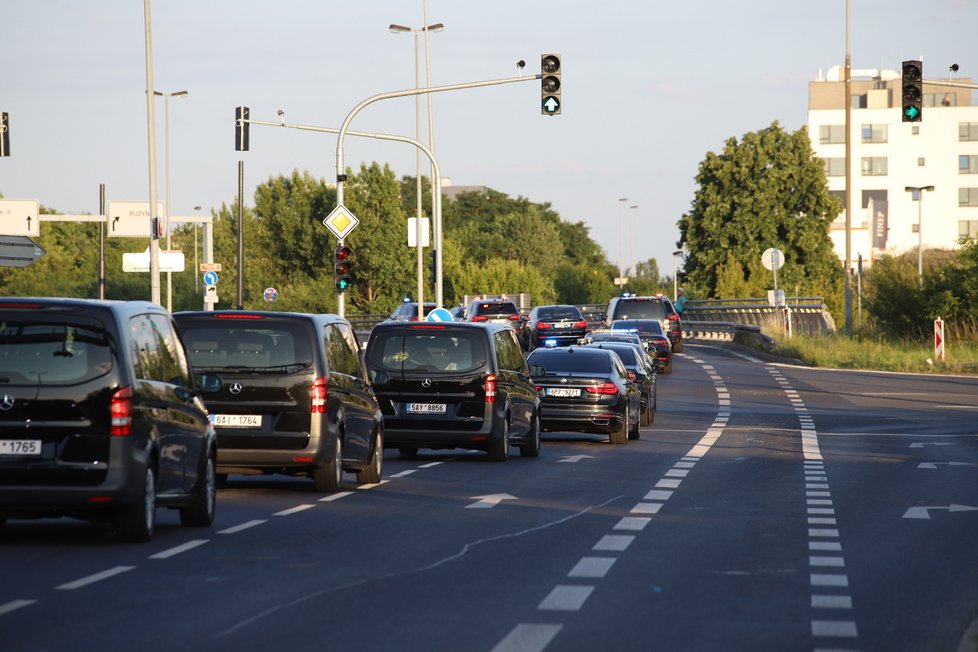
x=441, y=325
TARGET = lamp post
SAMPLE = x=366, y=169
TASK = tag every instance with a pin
x=920, y=227
x=166, y=221
x=437, y=27
x=675, y=284
x=631, y=243
x=196, y=265
x=621, y=240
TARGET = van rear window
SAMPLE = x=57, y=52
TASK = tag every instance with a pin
x=427, y=350
x=263, y=347
x=639, y=310
x=52, y=351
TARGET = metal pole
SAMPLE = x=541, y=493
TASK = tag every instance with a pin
x=196, y=266
x=920, y=236
x=154, y=243
x=101, y=242
x=166, y=209
x=848, y=280
x=621, y=241
x=240, y=235
x=417, y=160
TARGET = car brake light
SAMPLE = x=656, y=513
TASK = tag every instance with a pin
x=480, y=318
x=631, y=376
x=542, y=325
x=603, y=388
x=120, y=408
x=318, y=395
x=580, y=324
x=230, y=316
x=427, y=325
x=490, y=387
x=673, y=317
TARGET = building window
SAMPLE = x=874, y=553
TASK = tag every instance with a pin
x=968, y=197
x=874, y=166
x=831, y=134
x=940, y=99
x=914, y=228
x=968, y=228
x=915, y=130
x=920, y=162
x=968, y=164
x=835, y=167
x=876, y=195
x=859, y=101
x=874, y=133
x=967, y=131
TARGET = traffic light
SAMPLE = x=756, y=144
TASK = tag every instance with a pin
x=550, y=84
x=342, y=266
x=913, y=92
x=241, y=128
x=4, y=135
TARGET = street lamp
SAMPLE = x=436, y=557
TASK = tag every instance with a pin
x=621, y=240
x=919, y=190
x=631, y=244
x=166, y=110
x=196, y=266
x=437, y=27
x=675, y=284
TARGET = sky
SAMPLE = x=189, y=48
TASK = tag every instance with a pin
x=649, y=88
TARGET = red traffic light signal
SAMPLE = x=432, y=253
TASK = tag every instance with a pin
x=342, y=267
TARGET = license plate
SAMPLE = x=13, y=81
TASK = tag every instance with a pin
x=563, y=391
x=236, y=420
x=20, y=447
x=562, y=325
x=426, y=408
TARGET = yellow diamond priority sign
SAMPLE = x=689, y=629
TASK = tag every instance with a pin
x=341, y=222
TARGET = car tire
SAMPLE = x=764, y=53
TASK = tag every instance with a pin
x=636, y=432
x=200, y=513
x=620, y=436
x=499, y=447
x=327, y=478
x=532, y=446
x=372, y=473
x=408, y=451
x=136, y=523
x=646, y=417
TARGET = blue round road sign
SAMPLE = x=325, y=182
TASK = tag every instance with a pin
x=270, y=295
x=210, y=278
x=440, y=314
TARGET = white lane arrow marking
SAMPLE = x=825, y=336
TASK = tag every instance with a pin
x=933, y=465
x=487, y=502
x=921, y=444
x=922, y=512
x=574, y=458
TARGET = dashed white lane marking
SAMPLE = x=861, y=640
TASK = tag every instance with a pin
x=293, y=510
x=172, y=552
x=14, y=605
x=92, y=579
x=836, y=628
x=404, y=473
x=614, y=542
x=831, y=602
x=646, y=508
x=566, y=598
x=592, y=567
x=429, y=465
x=632, y=523
x=528, y=637
x=243, y=526
x=331, y=497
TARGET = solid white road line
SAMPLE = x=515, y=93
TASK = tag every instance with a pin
x=97, y=577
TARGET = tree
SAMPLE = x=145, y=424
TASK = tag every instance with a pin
x=767, y=190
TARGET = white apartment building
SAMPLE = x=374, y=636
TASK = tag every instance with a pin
x=888, y=155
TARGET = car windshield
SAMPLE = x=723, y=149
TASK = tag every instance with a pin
x=641, y=326
x=640, y=309
x=628, y=354
x=620, y=336
x=427, y=350
x=571, y=361
x=269, y=348
x=559, y=312
x=491, y=309
x=52, y=350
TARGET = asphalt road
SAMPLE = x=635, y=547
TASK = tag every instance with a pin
x=767, y=508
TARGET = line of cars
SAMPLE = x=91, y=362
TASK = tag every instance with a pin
x=111, y=409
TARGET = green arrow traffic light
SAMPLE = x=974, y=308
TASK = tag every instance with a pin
x=551, y=105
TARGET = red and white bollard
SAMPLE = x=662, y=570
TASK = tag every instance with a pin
x=786, y=315
x=939, y=339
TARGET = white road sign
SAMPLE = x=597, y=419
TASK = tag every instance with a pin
x=130, y=219
x=772, y=259
x=170, y=261
x=20, y=217
x=413, y=232
x=341, y=222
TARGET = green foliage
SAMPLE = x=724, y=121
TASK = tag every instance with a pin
x=768, y=190
x=505, y=276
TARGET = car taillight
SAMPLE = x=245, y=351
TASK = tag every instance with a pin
x=514, y=317
x=318, y=395
x=490, y=387
x=479, y=318
x=603, y=388
x=661, y=341
x=120, y=408
x=674, y=317
x=631, y=376
x=542, y=325
x=580, y=324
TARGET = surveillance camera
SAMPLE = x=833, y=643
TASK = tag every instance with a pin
x=521, y=64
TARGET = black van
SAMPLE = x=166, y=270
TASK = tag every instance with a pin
x=454, y=385
x=294, y=399
x=100, y=416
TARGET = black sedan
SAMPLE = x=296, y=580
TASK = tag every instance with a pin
x=641, y=371
x=586, y=389
x=655, y=339
x=553, y=326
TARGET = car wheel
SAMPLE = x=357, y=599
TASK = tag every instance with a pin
x=635, y=433
x=408, y=451
x=532, y=446
x=647, y=412
x=200, y=513
x=620, y=436
x=327, y=478
x=499, y=447
x=137, y=522
x=372, y=473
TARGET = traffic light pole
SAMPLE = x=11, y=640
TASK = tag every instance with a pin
x=436, y=198
x=436, y=174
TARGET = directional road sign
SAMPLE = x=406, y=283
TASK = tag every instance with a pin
x=440, y=314
x=130, y=219
x=210, y=278
x=18, y=251
x=20, y=217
